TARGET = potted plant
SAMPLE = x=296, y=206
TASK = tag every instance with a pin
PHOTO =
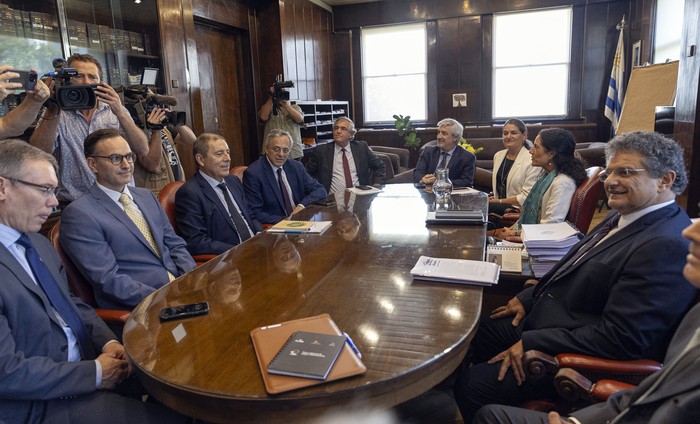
x=467, y=146
x=405, y=129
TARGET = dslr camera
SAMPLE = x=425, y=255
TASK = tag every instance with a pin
x=73, y=96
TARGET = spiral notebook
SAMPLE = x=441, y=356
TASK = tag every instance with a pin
x=508, y=257
x=307, y=355
x=270, y=339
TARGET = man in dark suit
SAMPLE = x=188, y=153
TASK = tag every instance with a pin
x=671, y=395
x=345, y=162
x=446, y=154
x=210, y=209
x=276, y=187
x=57, y=358
x=619, y=293
x=119, y=237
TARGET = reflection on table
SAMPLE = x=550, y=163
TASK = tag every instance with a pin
x=411, y=334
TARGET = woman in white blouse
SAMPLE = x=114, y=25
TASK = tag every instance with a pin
x=513, y=173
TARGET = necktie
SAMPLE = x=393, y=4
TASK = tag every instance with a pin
x=590, y=244
x=285, y=195
x=238, y=222
x=59, y=301
x=346, y=170
x=443, y=160
x=141, y=224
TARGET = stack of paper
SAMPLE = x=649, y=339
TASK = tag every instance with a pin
x=300, y=227
x=461, y=271
x=547, y=244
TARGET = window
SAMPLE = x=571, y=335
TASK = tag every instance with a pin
x=531, y=57
x=668, y=29
x=394, y=72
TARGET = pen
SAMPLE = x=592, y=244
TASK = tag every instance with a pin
x=352, y=345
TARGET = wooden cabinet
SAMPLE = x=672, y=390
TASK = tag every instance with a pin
x=319, y=117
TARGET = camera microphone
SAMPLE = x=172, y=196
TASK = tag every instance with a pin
x=162, y=100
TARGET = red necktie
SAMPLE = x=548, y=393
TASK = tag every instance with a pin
x=346, y=170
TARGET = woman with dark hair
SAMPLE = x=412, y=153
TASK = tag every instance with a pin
x=550, y=197
x=513, y=175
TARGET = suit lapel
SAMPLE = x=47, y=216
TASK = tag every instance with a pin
x=211, y=195
x=9, y=261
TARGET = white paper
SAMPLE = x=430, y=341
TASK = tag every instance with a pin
x=508, y=257
x=462, y=271
x=361, y=192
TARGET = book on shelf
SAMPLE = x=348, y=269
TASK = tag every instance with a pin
x=270, y=339
x=455, y=217
x=459, y=271
x=307, y=355
x=300, y=227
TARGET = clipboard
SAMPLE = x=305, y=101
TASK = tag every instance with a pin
x=268, y=340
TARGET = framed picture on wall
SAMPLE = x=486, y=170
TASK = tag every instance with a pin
x=637, y=53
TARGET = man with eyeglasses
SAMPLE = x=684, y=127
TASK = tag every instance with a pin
x=58, y=360
x=619, y=293
x=346, y=162
x=119, y=237
x=62, y=132
x=276, y=187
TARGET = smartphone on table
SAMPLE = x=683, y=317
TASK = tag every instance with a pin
x=184, y=311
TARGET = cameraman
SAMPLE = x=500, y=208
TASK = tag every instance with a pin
x=21, y=117
x=162, y=164
x=63, y=132
x=288, y=118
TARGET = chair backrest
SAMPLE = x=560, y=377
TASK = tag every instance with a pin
x=238, y=171
x=166, y=198
x=76, y=282
x=388, y=165
x=585, y=200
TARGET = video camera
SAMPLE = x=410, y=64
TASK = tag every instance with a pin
x=71, y=96
x=140, y=103
x=279, y=94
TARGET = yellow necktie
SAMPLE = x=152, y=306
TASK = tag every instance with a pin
x=141, y=224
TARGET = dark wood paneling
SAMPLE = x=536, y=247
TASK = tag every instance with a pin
x=342, y=80
x=687, y=127
x=230, y=13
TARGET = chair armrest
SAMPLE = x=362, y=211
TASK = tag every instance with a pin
x=203, y=258
x=113, y=315
x=573, y=386
x=631, y=372
x=538, y=364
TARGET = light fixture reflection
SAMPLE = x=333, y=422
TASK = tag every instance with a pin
x=453, y=313
x=137, y=1
x=399, y=281
x=369, y=334
x=386, y=305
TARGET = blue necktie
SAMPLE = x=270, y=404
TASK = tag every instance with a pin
x=57, y=298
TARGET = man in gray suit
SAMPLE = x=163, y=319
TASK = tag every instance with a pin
x=671, y=395
x=119, y=237
x=57, y=358
x=345, y=162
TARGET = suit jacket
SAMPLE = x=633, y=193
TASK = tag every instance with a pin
x=676, y=399
x=202, y=219
x=34, y=363
x=522, y=175
x=320, y=163
x=622, y=300
x=263, y=193
x=462, y=165
x=112, y=253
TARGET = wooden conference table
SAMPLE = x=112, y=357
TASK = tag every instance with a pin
x=412, y=334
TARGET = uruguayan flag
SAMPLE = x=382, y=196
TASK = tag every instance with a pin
x=613, y=104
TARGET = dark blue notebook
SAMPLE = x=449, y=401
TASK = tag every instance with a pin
x=307, y=355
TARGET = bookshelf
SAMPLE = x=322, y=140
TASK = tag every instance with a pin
x=319, y=117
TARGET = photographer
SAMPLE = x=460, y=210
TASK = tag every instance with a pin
x=288, y=118
x=62, y=132
x=21, y=117
x=162, y=164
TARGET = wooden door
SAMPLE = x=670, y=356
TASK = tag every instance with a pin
x=222, y=80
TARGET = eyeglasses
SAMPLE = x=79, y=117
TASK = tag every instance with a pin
x=118, y=159
x=620, y=172
x=276, y=149
x=46, y=191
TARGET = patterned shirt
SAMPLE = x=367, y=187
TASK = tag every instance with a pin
x=282, y=121
x=74, y=175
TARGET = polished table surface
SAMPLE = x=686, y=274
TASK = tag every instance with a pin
x=412, y=334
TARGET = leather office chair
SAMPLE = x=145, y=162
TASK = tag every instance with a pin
x=81, y=287
x=238, y=171
x=166, y=198
x=583, y=203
